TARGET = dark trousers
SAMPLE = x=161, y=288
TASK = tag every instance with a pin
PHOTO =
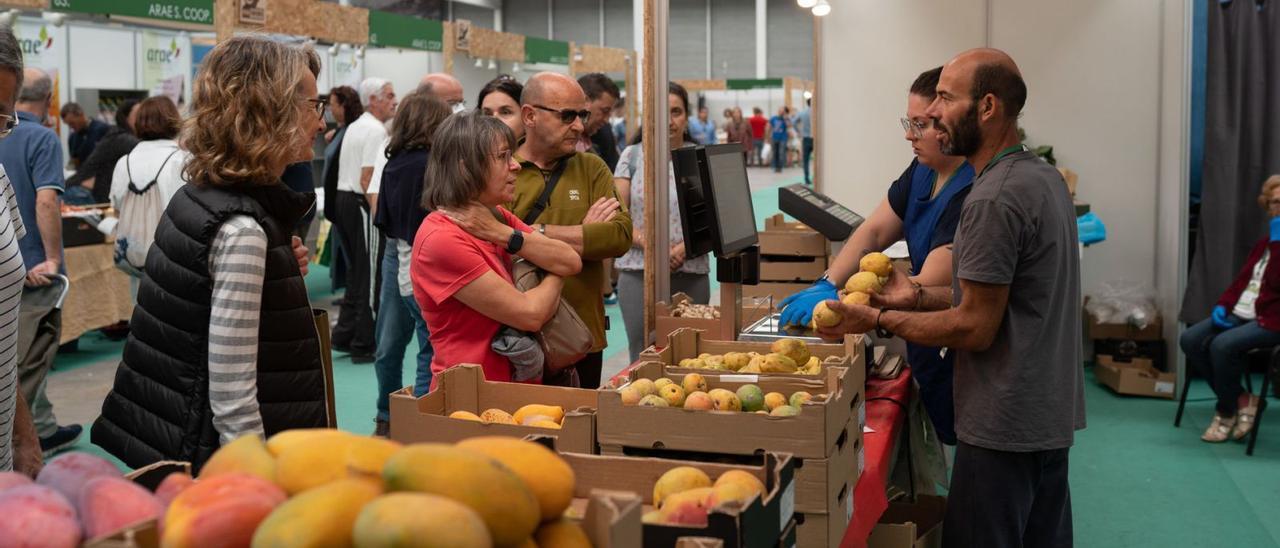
x=806, y=150
x=589, y=370
x=1221, y=356
x=354, y=331
x=39, y=329
x=779, y=154
x=1000, y=499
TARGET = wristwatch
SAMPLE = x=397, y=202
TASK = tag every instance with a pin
x=881, y=331
x=515, y=243
x=542, y=229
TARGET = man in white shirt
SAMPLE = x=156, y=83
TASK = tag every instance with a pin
x=361, y=147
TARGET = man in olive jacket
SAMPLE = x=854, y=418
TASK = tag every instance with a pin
x=582, y=208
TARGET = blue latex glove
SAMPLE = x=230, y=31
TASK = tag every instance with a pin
x=1275, y=229
x=797, y=309
x=1222, y=319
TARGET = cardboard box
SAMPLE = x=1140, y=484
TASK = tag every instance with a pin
x=1138, y=377
x=666, y=323
x=1071, y=178
x=1095, y=329
x=146, y=534
x=811, y=434
x=780, y=237
x=763, y=291
x=822, y=530
x=612, y=519
x=691, y=343
x=762, y=523
x=463, y=388
x=799, y=269
x=910, y=525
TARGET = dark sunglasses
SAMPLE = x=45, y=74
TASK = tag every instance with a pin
x=566, y=115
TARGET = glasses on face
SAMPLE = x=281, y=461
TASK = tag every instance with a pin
x=503, y=156
x=7, y=123
x=566, y=115
x=915, y=127
x=319, y=105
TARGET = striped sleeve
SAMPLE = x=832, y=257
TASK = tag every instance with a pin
x=237, y=263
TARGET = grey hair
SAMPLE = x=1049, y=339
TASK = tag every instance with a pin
x=70, y=109
x=36, y=89
x=370, y=88
x=10, y=53
x=461, y=158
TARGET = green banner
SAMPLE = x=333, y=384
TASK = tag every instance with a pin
x=541, y=50
x=183, y=11
x=402, y=31
x=767, y=83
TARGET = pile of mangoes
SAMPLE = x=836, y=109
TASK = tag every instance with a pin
x=874, y=271
x=684, y=495
x=692, y=393
x=786, y=356
x=538, y=415
x=686, y=309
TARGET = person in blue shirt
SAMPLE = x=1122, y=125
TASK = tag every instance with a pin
x=778, y=138
x=804, y=127
x=922, y=207
x=703, y=128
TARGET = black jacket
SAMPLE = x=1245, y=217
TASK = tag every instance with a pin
x=158, y=408
x=101, y=165
x=400, y=211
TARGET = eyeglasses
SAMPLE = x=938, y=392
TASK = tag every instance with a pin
x=319, y=105
x=914, y=127
x=7, y=123
x=504, y=156
x=567, y=116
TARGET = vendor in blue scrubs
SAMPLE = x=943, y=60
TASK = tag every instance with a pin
x=922, y=207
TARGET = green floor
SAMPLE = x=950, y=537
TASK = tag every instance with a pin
x=1136, y=480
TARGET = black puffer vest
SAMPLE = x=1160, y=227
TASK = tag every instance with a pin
x=159, y=406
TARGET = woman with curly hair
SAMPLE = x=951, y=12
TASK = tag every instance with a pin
x=223, y=340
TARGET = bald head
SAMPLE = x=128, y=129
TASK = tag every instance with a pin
x=444, y=86
x=553, y=111
x=551, y=87
x=988, y=72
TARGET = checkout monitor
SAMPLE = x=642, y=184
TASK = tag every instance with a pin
x=731, y=196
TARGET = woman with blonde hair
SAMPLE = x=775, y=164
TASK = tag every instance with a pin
x=223, y=339
x=1247, y=317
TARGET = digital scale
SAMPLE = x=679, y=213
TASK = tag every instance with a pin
x=829, y=218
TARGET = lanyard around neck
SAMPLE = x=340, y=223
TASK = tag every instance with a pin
x=1000, y=155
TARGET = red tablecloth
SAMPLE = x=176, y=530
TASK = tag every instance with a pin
x=886, y=418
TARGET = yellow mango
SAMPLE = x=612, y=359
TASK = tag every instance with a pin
x=542, y=470
x=247, y=454
x=555, y=412
x=283, y=440
x=320, y=517
x=419, y=520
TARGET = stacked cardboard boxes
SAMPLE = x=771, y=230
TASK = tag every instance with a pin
x=1130, y=359
x=792, y=256
x=670, y=319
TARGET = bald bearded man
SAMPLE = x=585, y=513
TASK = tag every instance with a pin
x=569, y=196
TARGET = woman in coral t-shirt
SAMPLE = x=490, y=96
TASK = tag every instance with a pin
x=462, y=254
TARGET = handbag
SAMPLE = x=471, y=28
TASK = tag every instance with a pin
x=564, y=339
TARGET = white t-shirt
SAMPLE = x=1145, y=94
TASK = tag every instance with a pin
x=361, y=146
x=1244, y=307
x=144, y=163
x=379, y=164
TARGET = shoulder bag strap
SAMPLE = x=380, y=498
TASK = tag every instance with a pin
x=541, y=205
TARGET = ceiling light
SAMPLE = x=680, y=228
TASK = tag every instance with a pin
x=515, y=67
x=822, y=8
x=479, y=63
x=333, y=50
x=493, y=65
x=806, y=4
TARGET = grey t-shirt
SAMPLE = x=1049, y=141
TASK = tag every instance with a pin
x=1017, y=228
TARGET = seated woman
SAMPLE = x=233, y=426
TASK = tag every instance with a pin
x=462, y=254
x=223, y=340
x=1247, y=317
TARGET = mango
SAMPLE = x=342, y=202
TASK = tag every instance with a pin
x=246, y=454
x=419, y=520
x=652, y=517
x=724, y=400
x=740, y=476
x=736, y=360
x=505, y=503
x=555, y=412
x=221, y=511
x=795, y=349
x=68, y=472
x=562, y=534
x=281, y=441
x=37, y=516
x=784, y=411
x=824, y=316
x=645, y=387
x=693, y=382
x=737, y=486
x=497, y=416
x=312, y=462
x=865, y=282
x=778, y=363
x=173, y=485
x=320, y=517
x=751, y=396
x=547, y=475
x=753, y=365
x=876, y=263
x=799, y=398
x=673, y=394
x=687, y=507
x=698, y=401
x=662, y=382
x=678, y=480
x=108, y=504
x=529, y=420
x=693, y=363
x=367, y=455
x=466, y=416
x=653, y=400
x=856, y=297
x=773, y=400
x=713, y=362
x=545, y=424
x=630, y=396
x=13, y=479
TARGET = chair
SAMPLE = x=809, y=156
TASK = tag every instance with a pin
x=1273, y=369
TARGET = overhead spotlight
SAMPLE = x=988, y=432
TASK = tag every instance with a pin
x=308, y=43
x=493, y=65
x=806, y=4
x=360, y=52
x=333, y=50
x=515, y=67
x=479, y=62
x=54, y=18
x=808, y=95
x=822, y=8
